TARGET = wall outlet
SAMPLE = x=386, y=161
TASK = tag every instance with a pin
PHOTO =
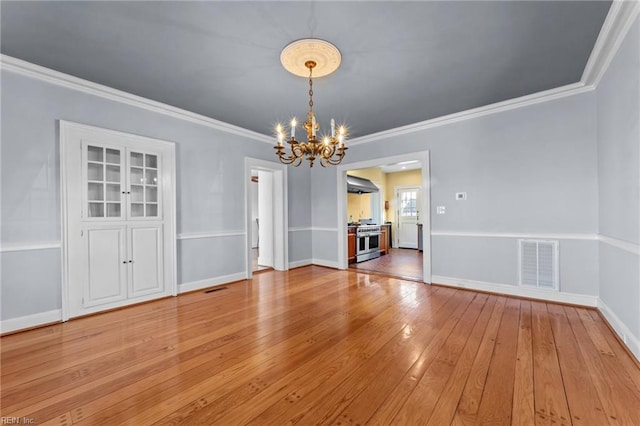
x=440, y=210
x=461, y=195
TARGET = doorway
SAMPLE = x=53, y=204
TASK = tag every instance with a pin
x=407, y=201
x=266, y=216
x=261, y=220
x=420, y=203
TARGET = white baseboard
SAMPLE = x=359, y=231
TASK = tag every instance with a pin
x=328, y=263
x=632, y=342
x=211, y=282
x=28, y=321
x=511, y=290
x=299, y=263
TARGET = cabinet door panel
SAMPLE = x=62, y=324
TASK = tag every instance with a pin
x=145, y=186
x=147, y=261
x=106, y=273
x=102, y=181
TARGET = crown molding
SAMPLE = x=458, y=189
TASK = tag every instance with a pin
x=619, y=20
x=48, y=75
x=515, y=103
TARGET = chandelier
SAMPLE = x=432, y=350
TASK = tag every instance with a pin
x=329, y=148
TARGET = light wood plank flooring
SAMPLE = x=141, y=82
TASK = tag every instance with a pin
x=403, y=263
x=320, y=346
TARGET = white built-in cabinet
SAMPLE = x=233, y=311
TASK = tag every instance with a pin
x=119, y=224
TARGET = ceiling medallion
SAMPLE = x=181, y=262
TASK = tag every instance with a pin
x=311, y=57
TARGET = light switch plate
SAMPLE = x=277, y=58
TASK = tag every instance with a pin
x=461, y=195
x=440, y=210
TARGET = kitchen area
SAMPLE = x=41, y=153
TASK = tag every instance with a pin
x=383, y=220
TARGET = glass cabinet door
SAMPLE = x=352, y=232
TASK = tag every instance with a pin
x=103, y=182
x=145, y=185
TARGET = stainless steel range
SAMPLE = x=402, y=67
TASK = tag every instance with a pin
x=367, y=242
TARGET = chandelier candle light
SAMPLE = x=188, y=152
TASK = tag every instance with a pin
x=299, y=58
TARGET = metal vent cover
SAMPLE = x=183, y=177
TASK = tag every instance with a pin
x=538, y=264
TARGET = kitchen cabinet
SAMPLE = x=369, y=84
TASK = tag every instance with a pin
x=351, y=244
x=384, y=240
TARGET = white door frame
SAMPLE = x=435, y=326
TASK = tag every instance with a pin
x=280, y=213
x=341, y=203
x=396, y=207
x=66, y=128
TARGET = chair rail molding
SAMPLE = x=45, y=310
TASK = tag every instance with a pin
x=44, y=245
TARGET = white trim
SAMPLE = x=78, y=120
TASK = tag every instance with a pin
x=512, y=290
x=28, y=321
x=301, y=229
x=64, y=219
x=197, y=235
x=48, y=75
x=619, y=20
x=591, y=237
x=211, y=282
x=632, y=342
x=45, y=245
x=621, y=244
x=328, y=263
x=319, y=262
x=515, y=103
x=281, y=212
x=320, y=229
x=299, y=263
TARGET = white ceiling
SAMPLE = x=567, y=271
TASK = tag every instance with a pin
x=403, y=62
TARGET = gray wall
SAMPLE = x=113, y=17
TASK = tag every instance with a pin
x=210, y=188
x=531, y=170
x=618, y=103
x=568, y=166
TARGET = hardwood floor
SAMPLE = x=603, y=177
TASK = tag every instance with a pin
x=403, y=263
x=321, y=346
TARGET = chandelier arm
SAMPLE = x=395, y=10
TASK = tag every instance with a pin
x=286, y=160
x=338, y=159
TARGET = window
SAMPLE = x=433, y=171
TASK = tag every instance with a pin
x=409, y=204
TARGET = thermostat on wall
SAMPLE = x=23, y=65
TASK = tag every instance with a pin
x=461, y=195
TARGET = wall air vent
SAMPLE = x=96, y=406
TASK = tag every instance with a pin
x=538, y=264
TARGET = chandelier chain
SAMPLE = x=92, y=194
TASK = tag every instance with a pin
x=310, y=89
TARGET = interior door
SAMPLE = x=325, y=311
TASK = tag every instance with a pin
x=408, y=216
x=267, y=219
